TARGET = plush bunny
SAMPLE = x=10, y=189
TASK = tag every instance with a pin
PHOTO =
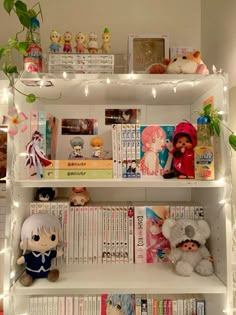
x=188, y=63
x=188, y=250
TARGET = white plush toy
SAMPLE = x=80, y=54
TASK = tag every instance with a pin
x=188, y=250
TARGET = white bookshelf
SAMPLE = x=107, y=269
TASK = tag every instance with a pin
x=177, y=98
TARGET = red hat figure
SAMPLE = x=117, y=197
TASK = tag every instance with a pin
x=184, y=142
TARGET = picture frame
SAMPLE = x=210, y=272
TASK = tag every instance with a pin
x=146, y=49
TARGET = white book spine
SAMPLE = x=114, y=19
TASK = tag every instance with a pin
x=140, y=234
x=108, y=234
x=90, y=235
x=33, y=208
x=50, y=310
x=55, y=305
x=113, y=235
x=69, y=305
x=128, y=149
x=76, y=236
x=76, y=305
x=90, y=305
x=45, y=305
x=54, y=211
x=117, y=234
x=81, y=235
x=104, y=235
x=121, y=236
x=114, y=151
x=94, y=306
x=39, y=207
x=137, y=149
x=172, y=212
x=192, y=214
x=124, y=151
x=86, y=235
x=71, y=234
x=99, y=305
x=32, y=306
x=86, y=305
x=100, y=234
x=47, y=207
x=95, y=235
x=61, y=305
x=187, y=212
x=131, y=234
x=174, y=307
x=40, y=305
x=126, y=249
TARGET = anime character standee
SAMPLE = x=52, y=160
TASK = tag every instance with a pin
x=40, y=235
x=36, y=158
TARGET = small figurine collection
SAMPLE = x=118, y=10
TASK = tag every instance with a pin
x=83, y=43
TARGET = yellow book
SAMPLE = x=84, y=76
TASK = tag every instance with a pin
x=80, y=164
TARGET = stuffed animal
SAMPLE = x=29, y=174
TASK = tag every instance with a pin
x=40, y=235
x=45, y=194
x=188, y=63
x=79, y=196
x=184, y=141
x=188, y=250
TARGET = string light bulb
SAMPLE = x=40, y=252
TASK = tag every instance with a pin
x=64, y=75
x=154, y=93
x=86, y=90
x=108, y=81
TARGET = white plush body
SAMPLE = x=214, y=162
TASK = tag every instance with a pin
x=191, y=258
x=187, y=262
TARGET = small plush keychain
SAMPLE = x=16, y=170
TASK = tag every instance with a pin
x=40, y=236
x=45, y=194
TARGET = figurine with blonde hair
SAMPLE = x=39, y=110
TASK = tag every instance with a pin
x=97, y=145
x=67, y=38
x=55, y=38
x=106, y=37
x=80, y=40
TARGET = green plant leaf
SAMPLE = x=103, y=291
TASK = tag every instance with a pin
x=2, y=50
x=24, y=18
x=207, y=109
x=232, y=141
x=22, y=47
x=11, y=69
x=216, y=127
x=8, y=5
x=20, y=6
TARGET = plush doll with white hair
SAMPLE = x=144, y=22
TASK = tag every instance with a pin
x=40, y=235
x=188, y=250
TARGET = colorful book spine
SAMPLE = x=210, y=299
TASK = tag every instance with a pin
x=78, y=174
x=140, y=235
x=131, y=234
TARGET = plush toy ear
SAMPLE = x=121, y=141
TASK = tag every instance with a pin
x=167, y=226
x=204, y=228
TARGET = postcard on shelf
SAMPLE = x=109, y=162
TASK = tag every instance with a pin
x=125, y=303
x=122, y=116
x=146, y=49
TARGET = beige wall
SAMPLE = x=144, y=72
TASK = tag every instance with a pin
x=181, y=19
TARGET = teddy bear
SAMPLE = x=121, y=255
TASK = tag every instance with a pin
x=189, y=63
x=184, y=142
x=188, y=251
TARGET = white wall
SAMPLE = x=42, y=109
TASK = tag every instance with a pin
x=181, y=19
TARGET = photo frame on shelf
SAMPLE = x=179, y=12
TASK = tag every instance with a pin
x=146, y=49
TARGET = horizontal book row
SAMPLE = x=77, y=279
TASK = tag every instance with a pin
x=114, y=232
x=120, y=304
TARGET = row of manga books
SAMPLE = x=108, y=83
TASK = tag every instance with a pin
x=119, y=304
x=115, y=232
x=141, y=150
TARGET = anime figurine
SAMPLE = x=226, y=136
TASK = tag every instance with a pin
x=80, y=40
x=79, y=196
x=153, y=139
x=77, y=144
x=120, y=304
x=106, y=37
x=55, y=38
x=92, y=43
x=36, y=158
x=40, y=235
x=67, y=37
x=97, y=145
x=184, y=141
x=157, y=245
x=45, y=194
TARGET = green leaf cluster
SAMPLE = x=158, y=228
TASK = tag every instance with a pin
x=215, y=121
x=24, y=15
